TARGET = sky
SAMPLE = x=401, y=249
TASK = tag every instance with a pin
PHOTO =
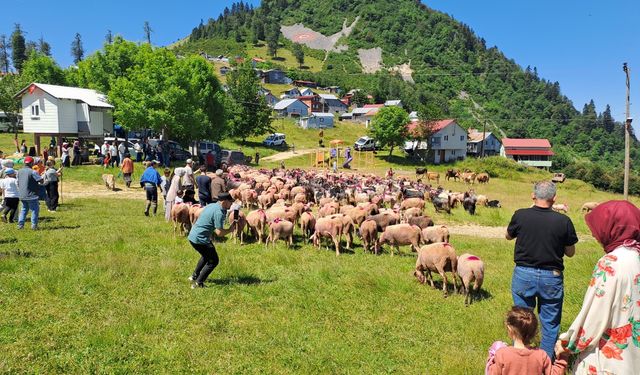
x=579, y=43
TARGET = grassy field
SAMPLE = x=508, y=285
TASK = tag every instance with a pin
x=284, y=58
x=102, y=288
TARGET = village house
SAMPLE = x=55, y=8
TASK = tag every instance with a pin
x=312, y=102
x=61, y=111
x=393, y=103
x=291, y=108
x=531, y=152
x=292, y=93
x=274, y=76
x=317, y=120
x=476, y=147
x=301, y=83
x=448, y=141
x=306, y=92
x=332, y=104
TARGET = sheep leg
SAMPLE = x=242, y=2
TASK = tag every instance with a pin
x=336, y=242
x=430, y=277
x=444, y=281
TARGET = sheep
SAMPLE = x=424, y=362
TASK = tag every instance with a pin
x=412, y=212
x=369, y=235
x=421, y=221
x=589, y=206
x=180, y=218
x=439, y=257
x=434, y=234
x=257, y=221
x=280, y=229
x=560, y=208
x=470, y=268
x=109, y=181
x=241, y=223
x=328, y=227
x=307, y=224
x=401, y=234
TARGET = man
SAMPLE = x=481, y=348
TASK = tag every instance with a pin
x=211, y=221
x=113, y=151
x=218, y=185
x=122, y=149
x=204, y=186
x=543, y=237
x=103, y=150
x=28, y=188
x=150, y=180
x=50, y=183
x=188, y=181
x=138, y=149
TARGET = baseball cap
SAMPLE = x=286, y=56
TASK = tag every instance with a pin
x=10, y=171
x=219, y=172
x=224, y=197
x=189, y=161
x=28, y=159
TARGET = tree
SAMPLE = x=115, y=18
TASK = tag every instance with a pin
x=44, y=47
x=433, y=109
x=10, y=85
x=30, y=47
x=147, y=31
x=298, y=52
x=389, y=127
x=77, y=51
x=359, y=98
x=42, y=69
x=4, y=54
x=607, y=120
x=247, y=112
x=272, y=40
x=109, y=37
x=18, y=48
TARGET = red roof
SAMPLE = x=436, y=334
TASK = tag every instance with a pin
x=529, y=152
x=307, y=97
x=373, y=106
x=525, y=143
x=437, y=126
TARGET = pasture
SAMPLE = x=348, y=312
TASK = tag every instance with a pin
x=102, y=288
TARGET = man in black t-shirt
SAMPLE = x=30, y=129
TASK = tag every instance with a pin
x=543, y=237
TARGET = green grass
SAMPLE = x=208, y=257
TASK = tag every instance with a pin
x=103, y=289
x=284, y=58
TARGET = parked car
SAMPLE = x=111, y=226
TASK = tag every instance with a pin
x=366, y=144
x=230, y=158
x=129, y=144
x=175, y=150
x=558, y=177
x=275, y=139
x=203, y=147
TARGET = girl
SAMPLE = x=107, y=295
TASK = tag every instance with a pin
x=521, y=358
x=10, y=192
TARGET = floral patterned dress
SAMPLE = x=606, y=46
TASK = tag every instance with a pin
x=605, y=336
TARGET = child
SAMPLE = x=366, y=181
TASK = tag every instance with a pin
x=9, y=188
x=522, y=326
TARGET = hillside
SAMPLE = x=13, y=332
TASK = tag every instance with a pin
x=433, y=63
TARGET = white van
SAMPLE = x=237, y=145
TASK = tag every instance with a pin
x=275, y=139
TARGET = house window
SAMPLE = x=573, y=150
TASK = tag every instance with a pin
x=462, y=137
x=321, y=119
x=453, y=152
x=446, y=138
x=35, y=110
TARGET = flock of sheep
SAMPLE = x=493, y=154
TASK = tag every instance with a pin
x=329, y=207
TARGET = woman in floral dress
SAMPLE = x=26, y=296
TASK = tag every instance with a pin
x=605, y=336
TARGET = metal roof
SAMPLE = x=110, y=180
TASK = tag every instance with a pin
x=91, y=97
x=526, y=143
x=283, y=104
x=321, y=114
x=529, y=152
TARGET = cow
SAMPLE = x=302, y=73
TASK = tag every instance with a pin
x=482, y=178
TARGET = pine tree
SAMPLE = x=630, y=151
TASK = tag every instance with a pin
x=30, y=47
x=4, y=54
x=147, y=31
x=298, y=52
x=77, y=51
x=272, y=39
x=109, y=37
x=607, y=120
x=18, y=48
x=44, y=47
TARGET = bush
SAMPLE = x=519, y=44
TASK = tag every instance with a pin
x=498, y=166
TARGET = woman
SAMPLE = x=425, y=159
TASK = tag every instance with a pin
x=606, y=333
x=175, y=186
x=51, y=177
x=65, y=154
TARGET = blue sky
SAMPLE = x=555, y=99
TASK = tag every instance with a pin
x=581, y=44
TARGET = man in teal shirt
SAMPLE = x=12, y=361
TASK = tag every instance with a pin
x=211, y=221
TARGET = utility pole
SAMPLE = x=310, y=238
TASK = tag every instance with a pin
x=627, y=141
x=484, y=134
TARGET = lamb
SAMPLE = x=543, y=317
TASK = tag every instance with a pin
x=109, y=181
x=307, y=224
x=438, y=233
x=257, y=222
x=401, y=234
x=369, y=235
x=589, y=206
x=280, y=229
x=412, y=212
x=438, y=257
x=470, y=268
x=180, y=218
x=241, y=223
x=482, y=200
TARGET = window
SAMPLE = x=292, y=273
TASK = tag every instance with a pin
x=446, y=138
x=321, y=119
x=453, y=152
x=462, y=137
x=35, y=110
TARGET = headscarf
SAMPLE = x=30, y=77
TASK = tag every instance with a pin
x=179, y=172
x=615, y=224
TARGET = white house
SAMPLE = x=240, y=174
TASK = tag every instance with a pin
x=393, y=103
x=317, y=120
x=448, y=141
x=291, y=108
x=61, y=111
x=291, y=94
x=475, y=146
x=306, y=92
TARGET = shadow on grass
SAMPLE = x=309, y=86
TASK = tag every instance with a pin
x=8, y=240
x=19, y=254
x=241, y=280
x=59, y=227
x=399, y=160
x=476, y=297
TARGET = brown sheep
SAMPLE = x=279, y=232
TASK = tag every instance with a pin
x=421, y=221
x=241, y=223
x=369, y=235
x=280, y=229
x=266, y=200
x=412, y=202
x=331, y=208
x=328, y=227
x=384, y=219
x=257, y=221
x=180, y=218
x=307, y=224
x=401, y=234
x=589, y=206
x=347, y=227
x=109, y=181
x=482, y=178
x=412, y=212
x=249, y=198
x=437, y=257
x=438, y=233
x=435, y=176
x=482, y=200
x=194, y=213
x=470, y=268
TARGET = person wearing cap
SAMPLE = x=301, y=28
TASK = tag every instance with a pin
x=28, y=188
x=218, y=186
x=210, y=222
x=50, y=183
x=188, y=181
x=204, y=186
x=9, y=187
x=150, y=180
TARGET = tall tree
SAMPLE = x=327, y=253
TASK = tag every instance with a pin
x=18, y=48
x=77, y=51
x=4, y=54
x=42, y=69
x=44, y=47
x=272, y=39
x=9, y=86
x=389, y=127
x=247, y=110
x=30, y=47
x=109, y=37
x=147, y=31
x=298, y=53
x=607, y=120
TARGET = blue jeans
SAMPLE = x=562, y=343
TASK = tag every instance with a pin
x=34, y=206
x=531, y=286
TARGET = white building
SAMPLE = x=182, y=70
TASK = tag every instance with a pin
x=291, y=108
x=317, y=120
x=531, y=152
x=61, y=111
x=448, y=141
x=479, y=142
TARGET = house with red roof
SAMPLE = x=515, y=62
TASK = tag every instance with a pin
x=531, y=152
x=448, y=141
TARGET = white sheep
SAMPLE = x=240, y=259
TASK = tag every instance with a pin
x=470, y=268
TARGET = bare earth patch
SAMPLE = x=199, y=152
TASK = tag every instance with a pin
x=370, y=59
x=288, y=155
x=298, y=33
x=405, y=72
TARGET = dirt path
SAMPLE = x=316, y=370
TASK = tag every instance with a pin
x=71, y=190
x=492, y=232
x=288, y=154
